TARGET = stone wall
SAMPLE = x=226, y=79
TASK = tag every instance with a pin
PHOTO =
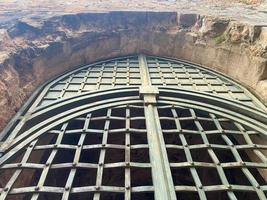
x=33, y=52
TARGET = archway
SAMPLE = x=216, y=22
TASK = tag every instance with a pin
x=137, y=127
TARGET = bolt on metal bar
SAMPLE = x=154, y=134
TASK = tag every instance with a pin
x=49, y=161
x=127, y=195
x=101, y=162
x=161, y=173
x=162, y=178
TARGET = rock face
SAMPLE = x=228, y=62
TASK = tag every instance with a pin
x=32, y=52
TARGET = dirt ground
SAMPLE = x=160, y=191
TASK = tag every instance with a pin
x=252, y=11
x=249, y=2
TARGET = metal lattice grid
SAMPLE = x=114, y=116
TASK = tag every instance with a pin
x=185, y=75
x=157, y=141
x=115, y=73
x=126, y=72
x=208, y=155
x=105, y=155
x=101, y=155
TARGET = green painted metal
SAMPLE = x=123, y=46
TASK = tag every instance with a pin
x=162, y=72
x=154, y=97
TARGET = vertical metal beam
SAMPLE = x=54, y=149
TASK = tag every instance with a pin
x=161, y=173
x=144, y=73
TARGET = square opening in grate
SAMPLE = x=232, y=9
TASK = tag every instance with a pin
x=187, y=195
x=114, y=155
x=138, y=138
x=98, y=124
x=75, y=124
x=172, y=138
x=85, y=177
x=246, y=195
x=138, y=123
x=113, y=177
x=188, y=125
x=193, y=138
x=17, y=158
x=111, y=196
x=201, y=155
x=228, y=125
x=142, y=196
x=137, y=111
x=90, y=156
x=140, y=155
x=257, y=138
x=99, y=113
x=182, y=176
x=116, y=138
x=258, y=174
x=224, y=155
x=18, y=196
x=64, y=156
x=176, y=155
x=5, y=175
x=208, y=176
x=39, y=156
x=57, y=177
x=71, y=138
x=208, y=125
x=93, y=138
x=216, y=138
x=218, y=195
x=47, y=196
x=141, y=177
x=81, y=196
x=246, y=154
x=236, y=176
x=183, y=112
x=165, y=112
x=237, y=139
x=47, y=138
x=167, y=124
x=27, y=178
x=118, y=112
x=116, y=124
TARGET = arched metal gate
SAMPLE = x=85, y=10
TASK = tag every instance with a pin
x=138, y=127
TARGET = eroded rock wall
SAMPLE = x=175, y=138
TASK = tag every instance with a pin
x=32, y=52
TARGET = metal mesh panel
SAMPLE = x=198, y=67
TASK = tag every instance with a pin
x=101, y=155
x=126, y=72
x=184, y=75
x=105, y=155
x=156, y=141
x=105, y=75
x=208, y=155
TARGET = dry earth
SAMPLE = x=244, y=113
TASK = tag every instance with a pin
x=40, y=39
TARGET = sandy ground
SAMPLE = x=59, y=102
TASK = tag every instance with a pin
x=251, y=11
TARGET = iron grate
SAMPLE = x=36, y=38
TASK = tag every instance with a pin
x=126, y=72
x=148, y=128
x=90, y=154
x=105, y=155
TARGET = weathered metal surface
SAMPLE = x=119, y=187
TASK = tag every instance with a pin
x=126, y=72
x=161, y=173
x=148, y=138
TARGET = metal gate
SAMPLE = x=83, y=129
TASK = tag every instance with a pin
x=139, y=127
